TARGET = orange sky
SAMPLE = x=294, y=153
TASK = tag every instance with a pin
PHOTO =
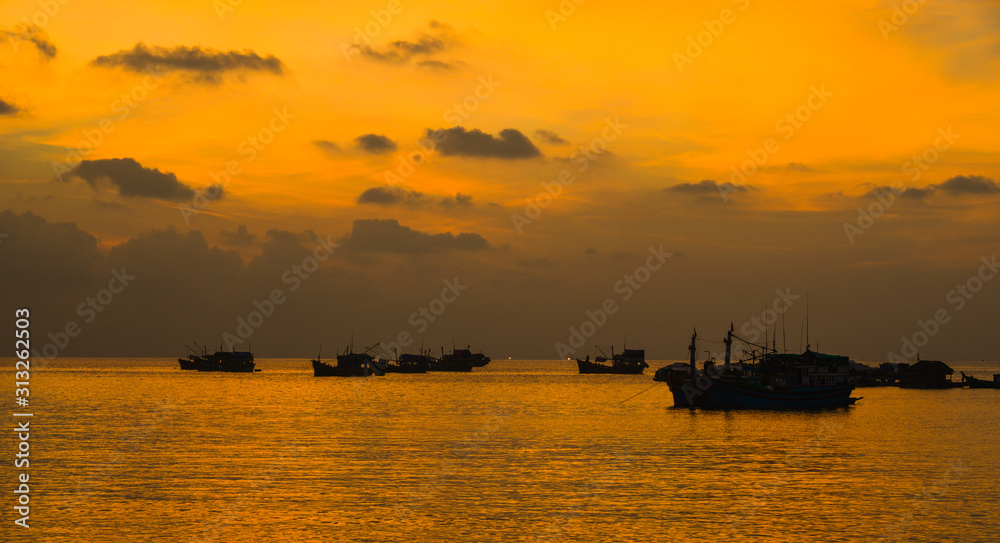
x=869, y=96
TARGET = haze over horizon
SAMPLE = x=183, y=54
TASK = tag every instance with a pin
x=501, y=175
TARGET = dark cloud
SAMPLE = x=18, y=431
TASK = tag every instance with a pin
x=240, y=238
x=7, y=108
x=969, y=184
x=707, y=186
x=132, y=179
x=438, y=38
x=798, y=167
x=327, y=146
x=550, y=137
x=390, y=196
x=436, y=65
x=458, y=200
x=387, y=235
x=375, y=143
x=956, y=186
x=207, y=64
x=34, y=35
x=511, y=144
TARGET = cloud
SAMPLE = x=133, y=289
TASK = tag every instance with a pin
x=959, y=185
x=438, y=38
x=707, y=186
x=34, y=35
x=388, y=196
x=240, y=238
x=7, y=108
x=375, y=143
x=458, y=200
x=550, y=137
x=132, y=179
x=798, y=167
x=207, y=64
x=969, y=184
x=511, y=144
x=387, y=235
x=327, y=146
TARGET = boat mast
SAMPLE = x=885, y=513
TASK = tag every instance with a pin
x=729, y=346
x=693, y=349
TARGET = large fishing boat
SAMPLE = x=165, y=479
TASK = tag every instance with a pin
x=629, y=362
x=349, y=364
x=770, y=380
x=226, y=361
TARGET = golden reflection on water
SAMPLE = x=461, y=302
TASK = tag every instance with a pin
x=516, y=451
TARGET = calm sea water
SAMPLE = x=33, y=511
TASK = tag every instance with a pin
x=138, y=450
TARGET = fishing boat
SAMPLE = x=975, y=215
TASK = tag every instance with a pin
x=973, y=382
x=349, y=364
x=460, y=360
x=628, y=362
x=459, y=356
x=410, y=363
x=770, y=380
x=225, y=361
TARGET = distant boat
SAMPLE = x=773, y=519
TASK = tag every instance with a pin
x=409, y=363
x=628, y=362
x=225, y=361
x=771, y=380
x=478, y=359
x=972, y=382
x=461, y=360
x=349, y=364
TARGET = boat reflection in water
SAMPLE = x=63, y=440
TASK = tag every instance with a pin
x=770, y=380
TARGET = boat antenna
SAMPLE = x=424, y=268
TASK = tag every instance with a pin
x=784, y=338
x=320, y=355
x=807, y=320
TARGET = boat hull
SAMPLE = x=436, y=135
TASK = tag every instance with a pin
x=451, y=365
x=713, y=393
x=619, y=369
x=322, y=369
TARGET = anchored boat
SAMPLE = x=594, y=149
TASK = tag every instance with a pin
x=226, y=361
x=770, y=380
x=628, y=362
x=349, y=364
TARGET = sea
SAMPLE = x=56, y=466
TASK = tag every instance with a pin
x=139, y=450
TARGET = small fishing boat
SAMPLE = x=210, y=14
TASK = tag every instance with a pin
x=409, y=363
x=458, y=361
x=224, y=361
x=972, y=382
x=628, y=362
x=349, y=364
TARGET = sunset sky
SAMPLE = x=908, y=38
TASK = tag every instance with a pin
x=741, y=136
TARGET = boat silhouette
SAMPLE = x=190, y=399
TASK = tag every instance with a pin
x=349, y=364
x=627, y=362
x=224, y=361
